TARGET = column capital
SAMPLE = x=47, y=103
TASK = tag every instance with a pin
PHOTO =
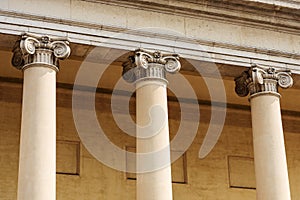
x=262, y=80
x=150, y=65
x=33, y=49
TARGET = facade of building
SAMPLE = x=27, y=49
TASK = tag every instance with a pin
x=212, y=85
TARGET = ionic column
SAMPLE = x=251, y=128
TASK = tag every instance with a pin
x=272, y=181
x=37, y=57
x=148, y=71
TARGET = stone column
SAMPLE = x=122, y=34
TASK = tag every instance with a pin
x=148, y=71
x=37, y=57
x=272, y=181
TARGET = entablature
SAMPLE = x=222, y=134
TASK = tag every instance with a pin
x=229, y=33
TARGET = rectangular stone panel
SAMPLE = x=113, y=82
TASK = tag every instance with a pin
x=130, y=164
x=241, y=172
x=68, y=157
x=179, y=168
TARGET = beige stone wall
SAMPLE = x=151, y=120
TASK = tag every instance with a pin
x=207, y=179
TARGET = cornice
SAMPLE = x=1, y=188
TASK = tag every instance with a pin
x=291, y=4
x=242, y=12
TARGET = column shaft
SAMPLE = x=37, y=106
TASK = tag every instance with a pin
x=272, y=181
x=148, y=71
x=37, y=167
x=156, y=185
x=269, y=151
x=38, y=57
